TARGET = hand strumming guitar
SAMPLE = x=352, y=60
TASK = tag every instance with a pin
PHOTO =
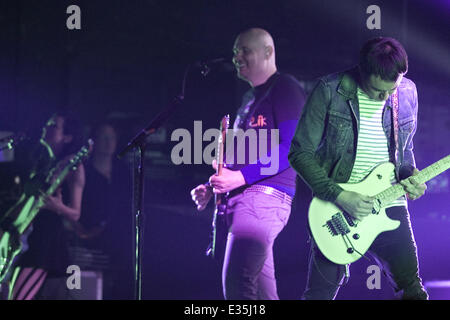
x=356, y=204
x=227, y=181
x=201, y=196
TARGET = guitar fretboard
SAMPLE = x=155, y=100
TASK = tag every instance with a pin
x=425, y=175
x=38, y=201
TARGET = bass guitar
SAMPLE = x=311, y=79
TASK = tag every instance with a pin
x=340, y=237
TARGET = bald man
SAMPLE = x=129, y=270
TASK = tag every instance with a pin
x=258, y=202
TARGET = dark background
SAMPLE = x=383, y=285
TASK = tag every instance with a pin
x=128, y=61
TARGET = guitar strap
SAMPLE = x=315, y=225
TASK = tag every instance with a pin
x=397, y=155
x=246, y=112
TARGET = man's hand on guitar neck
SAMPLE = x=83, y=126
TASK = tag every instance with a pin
x=356, y=204
x=53, y=202
x=414, y=189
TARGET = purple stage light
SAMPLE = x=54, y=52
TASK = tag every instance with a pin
x=438, y=289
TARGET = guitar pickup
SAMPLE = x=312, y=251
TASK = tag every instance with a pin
x=376, y=206
x=350, y=220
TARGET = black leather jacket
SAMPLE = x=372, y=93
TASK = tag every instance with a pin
x=323, y=149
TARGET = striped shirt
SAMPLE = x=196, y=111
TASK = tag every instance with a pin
x=372, y=147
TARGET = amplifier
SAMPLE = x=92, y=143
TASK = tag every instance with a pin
x=91, y=286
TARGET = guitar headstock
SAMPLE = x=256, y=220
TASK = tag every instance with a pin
x=83, y=153
x=225, y=123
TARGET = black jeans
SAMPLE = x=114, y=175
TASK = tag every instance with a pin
x=395, y=252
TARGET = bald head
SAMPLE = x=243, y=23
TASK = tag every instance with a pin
x=254, y=56
x=260, y=36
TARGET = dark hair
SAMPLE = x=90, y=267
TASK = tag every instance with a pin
x=96, y=127
x=384, y=57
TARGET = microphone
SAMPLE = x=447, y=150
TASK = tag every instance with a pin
x=205, y=66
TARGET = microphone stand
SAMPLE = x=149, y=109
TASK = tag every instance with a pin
x=138, y=144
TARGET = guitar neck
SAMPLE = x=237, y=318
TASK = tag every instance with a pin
x=39, y=201
x=58, y=180
x=220, y=157
x=220, y=144
x=423, y=176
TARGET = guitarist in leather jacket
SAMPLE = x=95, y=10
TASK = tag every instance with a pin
x=345, y=130
x=258, y=205
x=42, y=268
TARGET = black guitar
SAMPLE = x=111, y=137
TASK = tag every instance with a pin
x=219, y=225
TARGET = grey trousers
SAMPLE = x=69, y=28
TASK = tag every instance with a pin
x=255, y=219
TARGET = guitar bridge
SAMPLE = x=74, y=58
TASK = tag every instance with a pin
x=331, y=228
x=338, y=225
